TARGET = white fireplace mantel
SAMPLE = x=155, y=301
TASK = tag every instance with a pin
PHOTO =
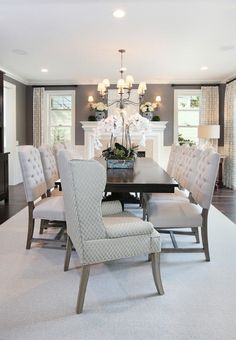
x=156, y=135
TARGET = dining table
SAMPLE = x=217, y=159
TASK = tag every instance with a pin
x=146, y=177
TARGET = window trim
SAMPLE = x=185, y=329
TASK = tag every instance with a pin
x=48, y=93
x=182, y=92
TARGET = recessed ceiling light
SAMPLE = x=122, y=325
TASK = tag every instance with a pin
x=227, y=48
x=19, y=52
x=44, y=70
x=119, y=13
x=204, y=68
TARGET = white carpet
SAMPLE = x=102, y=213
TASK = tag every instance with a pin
x=37, y=299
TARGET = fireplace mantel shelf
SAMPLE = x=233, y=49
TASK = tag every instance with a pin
x=156, y=135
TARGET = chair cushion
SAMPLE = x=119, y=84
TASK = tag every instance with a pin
x=174, y=214
x=123, y=225
x=50, y=208
x=101, y=250
x=180, y=195
x=111, y=207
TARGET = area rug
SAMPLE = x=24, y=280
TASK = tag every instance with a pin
x=37, y=299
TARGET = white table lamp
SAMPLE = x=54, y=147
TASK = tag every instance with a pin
x=208, y=132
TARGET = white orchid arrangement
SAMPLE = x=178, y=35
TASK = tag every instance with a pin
x=148, y=107
x=100, y=106
x=122, y=126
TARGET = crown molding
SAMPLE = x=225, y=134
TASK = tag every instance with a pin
x=14, y=76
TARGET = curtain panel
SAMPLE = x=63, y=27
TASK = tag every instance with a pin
x=209, y=112
x=230, y=136
x=38, y=114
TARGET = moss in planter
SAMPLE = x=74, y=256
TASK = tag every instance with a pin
x=91, y=118
x=155, y=119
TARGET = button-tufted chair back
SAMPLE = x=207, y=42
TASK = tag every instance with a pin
x=191, y=158
x=182, y=151
x=205, y=177
x=83, y=183
x=49, y=165
x=32, y=172
x=172, y=159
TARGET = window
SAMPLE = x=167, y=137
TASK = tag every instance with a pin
x=60, y=112
x=186, y=114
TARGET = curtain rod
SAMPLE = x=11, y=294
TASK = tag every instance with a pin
x=230, y=81
x=173, y=85
x=54, y=85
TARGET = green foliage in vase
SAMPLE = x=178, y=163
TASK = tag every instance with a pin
x=120, y=152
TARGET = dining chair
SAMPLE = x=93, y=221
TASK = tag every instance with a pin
x=46, y=209
x=97, y=238
x=49, y=167
x=174, y=214
x=180, y=166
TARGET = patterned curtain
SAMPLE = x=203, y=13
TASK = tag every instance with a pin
x=38, y=107
x=209, y=113
x=229, y=179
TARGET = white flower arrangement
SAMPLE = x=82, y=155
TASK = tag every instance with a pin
x=148, y=107
x=123, y=126
x=100, y=106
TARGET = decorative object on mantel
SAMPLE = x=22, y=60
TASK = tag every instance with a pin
x=124, y=87
x=147, y=110
x=91, y=118
x=156, y=118
x=100, y=110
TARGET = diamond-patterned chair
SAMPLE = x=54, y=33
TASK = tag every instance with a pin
x=98, y=238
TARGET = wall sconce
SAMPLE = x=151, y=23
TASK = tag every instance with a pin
x=156, y=104
x=90, y=101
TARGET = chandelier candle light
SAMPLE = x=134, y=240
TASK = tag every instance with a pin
x=121, y=126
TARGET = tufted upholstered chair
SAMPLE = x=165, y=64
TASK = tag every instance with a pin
x=98, y=238
x=166, y=215
x=49, y=167
x=48, y=208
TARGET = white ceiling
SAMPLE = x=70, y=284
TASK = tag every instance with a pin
x=167, y=41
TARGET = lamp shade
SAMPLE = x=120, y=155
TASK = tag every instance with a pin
x=209, y=131
x=90, y=99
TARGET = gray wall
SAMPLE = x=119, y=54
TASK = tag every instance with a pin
x=165, y=111
x=21, y=120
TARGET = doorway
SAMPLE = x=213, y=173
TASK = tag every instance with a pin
x=10, y=143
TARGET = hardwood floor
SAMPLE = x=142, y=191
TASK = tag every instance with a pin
x=16, y=202
x=223, y=199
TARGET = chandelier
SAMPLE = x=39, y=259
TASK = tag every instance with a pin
x=124, y=88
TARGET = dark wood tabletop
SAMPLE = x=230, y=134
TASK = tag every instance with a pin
x=147, y=176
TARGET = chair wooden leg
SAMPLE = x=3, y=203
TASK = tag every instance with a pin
x=205, y=234
x=30, y=225
x=82, y=288
x=41, y=227
x=68, y=254
x=156, y=272
x=196, y=234
x=205, y=242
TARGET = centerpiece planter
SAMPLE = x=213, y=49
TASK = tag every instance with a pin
x=120, y=163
